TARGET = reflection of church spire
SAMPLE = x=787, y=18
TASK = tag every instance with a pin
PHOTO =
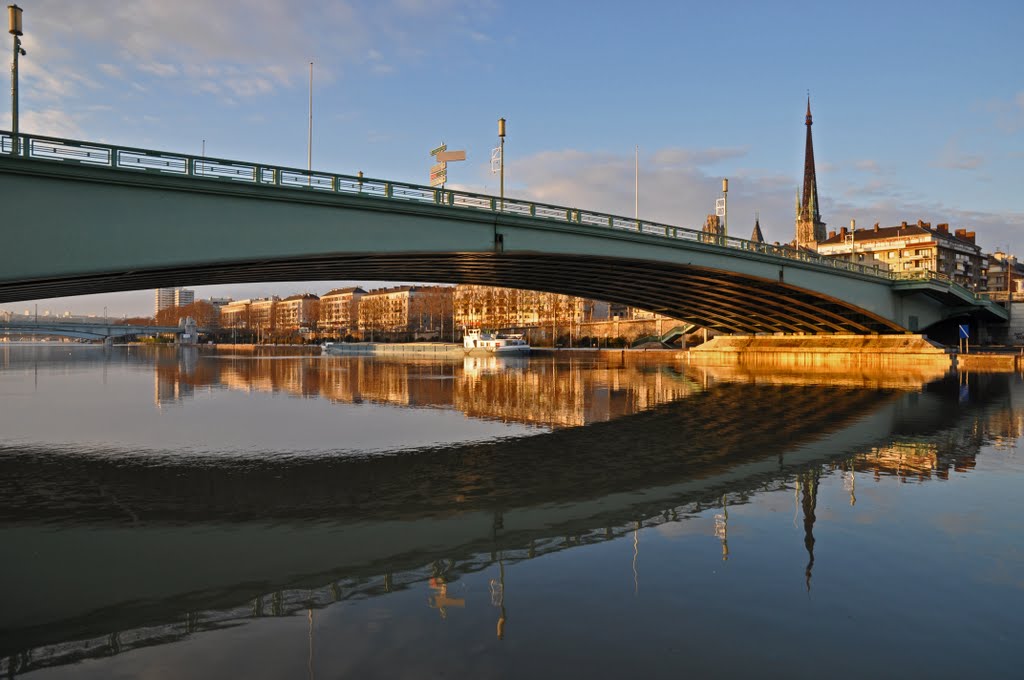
x=809, y=503
x=850, y=484
x=498, y=597
x=636, y=556
x=440, y=600
x=722, y=528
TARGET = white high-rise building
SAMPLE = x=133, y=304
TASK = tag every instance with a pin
x=184, y=296
x=166, y=298
x=163, y=299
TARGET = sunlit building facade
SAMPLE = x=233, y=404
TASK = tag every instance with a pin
x=913, y=248
x=296, y=312
x=406, y=312
x=509, y=308
x=235, y=314
x=339, y=310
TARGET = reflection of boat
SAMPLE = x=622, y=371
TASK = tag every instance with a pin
x=476, y=364
x=476, y=341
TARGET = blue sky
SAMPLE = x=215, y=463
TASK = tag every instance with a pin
x=918, y=106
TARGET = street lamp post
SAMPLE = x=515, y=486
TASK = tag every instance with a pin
x=725, y=205
x=14, y=28
x=501, y=136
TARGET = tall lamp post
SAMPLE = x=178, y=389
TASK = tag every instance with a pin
x=725, y=206
x=14, y=28
x=501, y=136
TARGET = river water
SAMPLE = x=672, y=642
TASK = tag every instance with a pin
x=191, y=514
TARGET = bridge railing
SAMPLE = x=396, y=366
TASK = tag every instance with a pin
x=130, y=159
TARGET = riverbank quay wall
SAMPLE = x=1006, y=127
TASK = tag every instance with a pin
x=824, y=352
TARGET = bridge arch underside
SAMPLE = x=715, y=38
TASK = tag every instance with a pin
x=724, y=301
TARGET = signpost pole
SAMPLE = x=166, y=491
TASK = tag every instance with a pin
x=501, y=135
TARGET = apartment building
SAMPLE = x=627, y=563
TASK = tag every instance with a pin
x=339, y=310
x=913, y=248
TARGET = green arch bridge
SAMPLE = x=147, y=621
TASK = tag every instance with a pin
x=82, y=217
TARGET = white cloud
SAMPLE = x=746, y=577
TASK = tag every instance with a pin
x=112, y=71
x=695, y=157
x=868, y=165
x=52, y=121
x=1008, y=114
x=158, y=69
x=952, y=158
x=673, y=189
x=249, y=87
x=682, y=195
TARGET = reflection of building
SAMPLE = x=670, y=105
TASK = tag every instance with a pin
x=492, y=388
x=339, y=310
x=920, y=460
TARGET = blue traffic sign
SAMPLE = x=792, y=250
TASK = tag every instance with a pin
x=965, y=331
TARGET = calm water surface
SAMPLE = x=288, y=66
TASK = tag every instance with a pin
x=186, y=514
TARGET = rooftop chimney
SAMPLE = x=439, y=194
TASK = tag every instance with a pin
x=876, y=226
x=943, y=227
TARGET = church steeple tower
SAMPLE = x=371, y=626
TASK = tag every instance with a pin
x=809, y=227
x=757, y=236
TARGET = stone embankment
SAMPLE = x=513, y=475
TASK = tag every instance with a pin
x=817, y=352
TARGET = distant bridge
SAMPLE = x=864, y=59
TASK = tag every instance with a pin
x=90, y=218
x=84, y=330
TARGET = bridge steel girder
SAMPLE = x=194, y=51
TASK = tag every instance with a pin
x=53, y=333
x=85, y=331
x=81, y=230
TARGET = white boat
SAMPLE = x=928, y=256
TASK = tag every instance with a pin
x=476, y=341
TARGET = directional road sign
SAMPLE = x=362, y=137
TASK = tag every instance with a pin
x=449, y=156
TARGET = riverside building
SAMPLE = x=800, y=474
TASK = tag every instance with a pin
x=912, y=249
x=406, y=313
x=296, y=312
x=339, y=310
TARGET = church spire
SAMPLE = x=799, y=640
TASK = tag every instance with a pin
x=757, y=236
x=809, y=199
x=810, y=230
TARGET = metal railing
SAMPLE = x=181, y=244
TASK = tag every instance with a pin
x=68, y=151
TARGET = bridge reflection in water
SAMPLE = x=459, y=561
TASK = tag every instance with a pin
x=169, y=546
